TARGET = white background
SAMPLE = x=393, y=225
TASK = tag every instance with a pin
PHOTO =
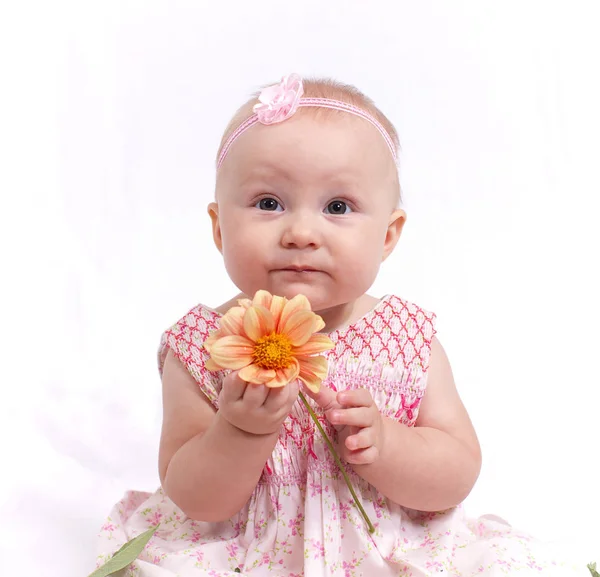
x=110, y=118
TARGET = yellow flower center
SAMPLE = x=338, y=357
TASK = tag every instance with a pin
x=273, y=351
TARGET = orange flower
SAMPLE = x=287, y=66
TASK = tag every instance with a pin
x=272, y=341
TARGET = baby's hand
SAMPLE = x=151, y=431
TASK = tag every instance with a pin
x=357, y=420
x=255, y=409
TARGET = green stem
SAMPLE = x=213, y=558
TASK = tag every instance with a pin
x=338, y=462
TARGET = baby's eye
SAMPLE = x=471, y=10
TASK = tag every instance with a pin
x=268, y=204
x=338, y=207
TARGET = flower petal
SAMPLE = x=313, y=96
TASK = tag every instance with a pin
x=232, y=323
x=262, y=298
x=232, y=352
x=277, y=305
x=285, y=376
x=320, y=324
x=210, y=365
x=258, y=322
x=298, y=303
x=256, y=375
x=312, y=372
x=211, y=340
x=245, y=303
x=299, y=327
x=318, y=343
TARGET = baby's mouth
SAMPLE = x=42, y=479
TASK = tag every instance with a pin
x=299, y=269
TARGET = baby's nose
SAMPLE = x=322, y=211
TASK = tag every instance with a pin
x=301, y=232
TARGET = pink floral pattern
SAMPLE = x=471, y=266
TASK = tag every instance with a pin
x=300, y=520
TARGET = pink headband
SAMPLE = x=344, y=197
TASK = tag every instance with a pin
x=280, y=101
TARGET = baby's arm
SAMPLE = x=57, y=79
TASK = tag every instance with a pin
x=429, y=467
x=208, y=466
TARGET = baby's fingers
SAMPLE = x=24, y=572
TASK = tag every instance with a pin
x=363, y=439
x=355, y=398
x=255, y=395
x=354, y=417
x=326, y=398
x=233, y=388
x=363, y=456
x=281, y=397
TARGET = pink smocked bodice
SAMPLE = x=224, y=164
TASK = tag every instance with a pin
x=387, y=351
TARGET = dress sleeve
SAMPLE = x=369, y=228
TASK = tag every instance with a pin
x=185, y=339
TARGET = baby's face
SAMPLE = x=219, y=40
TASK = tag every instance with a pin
x=307, y=206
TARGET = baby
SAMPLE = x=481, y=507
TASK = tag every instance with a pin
x=307, y=203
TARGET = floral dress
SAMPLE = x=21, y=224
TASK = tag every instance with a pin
x=301, y=519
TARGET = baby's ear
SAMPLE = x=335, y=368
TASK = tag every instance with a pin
x=213, y=212
x=394, y=230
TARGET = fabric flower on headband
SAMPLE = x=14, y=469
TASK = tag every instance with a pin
x=278, y=102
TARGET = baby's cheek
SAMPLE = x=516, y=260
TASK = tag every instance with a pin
x=362, y=259
x=242, y=249
x=236, y=239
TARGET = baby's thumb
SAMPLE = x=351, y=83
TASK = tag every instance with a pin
x=326, y=398
x=294, y=387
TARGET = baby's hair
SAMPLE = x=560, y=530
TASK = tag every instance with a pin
x=321, y=88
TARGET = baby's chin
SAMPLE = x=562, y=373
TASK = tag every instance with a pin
x=316, y=295
x=321, y=299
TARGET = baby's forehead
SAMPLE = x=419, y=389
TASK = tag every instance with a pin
x=334, y=148
x=268, y=177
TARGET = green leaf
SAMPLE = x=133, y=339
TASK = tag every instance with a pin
x=592, y=568
x=126, y=555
